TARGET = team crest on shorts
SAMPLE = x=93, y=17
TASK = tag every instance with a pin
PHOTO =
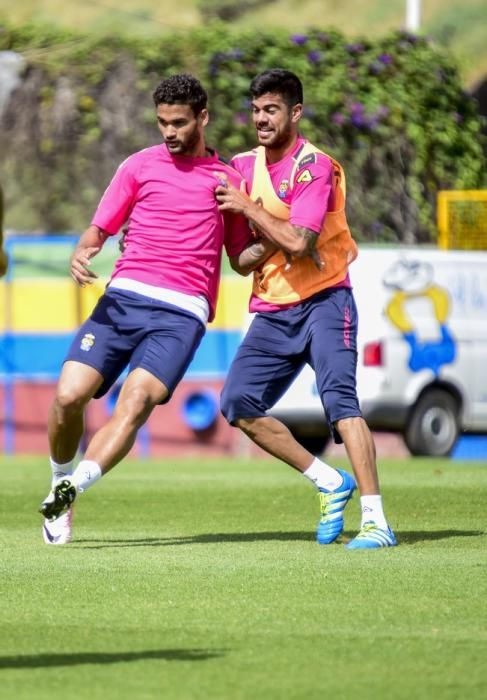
x=87, y=342
x=283, y=188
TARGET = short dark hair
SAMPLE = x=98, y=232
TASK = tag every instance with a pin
x=181, y=89
x=278, y=81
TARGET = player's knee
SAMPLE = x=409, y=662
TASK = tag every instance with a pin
x=252, y=427
x=228, y=401
x=70, y=400
x=234, y=406
x=351, y=425
x=238, y=405
x=341, y=406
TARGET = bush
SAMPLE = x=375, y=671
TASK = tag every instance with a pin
x=392, y=111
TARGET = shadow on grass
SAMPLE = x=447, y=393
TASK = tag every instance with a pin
x=48, y=660
x=421, y=536
x=213, y=538
x=406, y=537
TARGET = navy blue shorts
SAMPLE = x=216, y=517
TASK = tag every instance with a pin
x=322, y=331
x=128, y=329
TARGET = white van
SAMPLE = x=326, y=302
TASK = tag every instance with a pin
x=422, y=350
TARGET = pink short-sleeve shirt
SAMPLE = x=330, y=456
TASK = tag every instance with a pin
x=176, y=232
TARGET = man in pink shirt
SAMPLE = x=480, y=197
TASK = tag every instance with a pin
x=161, y=294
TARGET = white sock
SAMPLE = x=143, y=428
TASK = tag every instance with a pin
x=85, y=475
x=60, y=470
x=323, y=476
x=372, y=511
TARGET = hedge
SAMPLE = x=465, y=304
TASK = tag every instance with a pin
x=393, y=111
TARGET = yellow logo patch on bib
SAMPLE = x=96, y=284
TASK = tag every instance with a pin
x=305, y=176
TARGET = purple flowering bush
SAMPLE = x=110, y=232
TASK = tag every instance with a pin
x=392, y=111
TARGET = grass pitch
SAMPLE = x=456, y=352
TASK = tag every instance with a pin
x=191, y=581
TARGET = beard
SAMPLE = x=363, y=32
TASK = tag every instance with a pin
x=186, y=146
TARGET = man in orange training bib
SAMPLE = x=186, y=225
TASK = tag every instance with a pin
x=305, y=310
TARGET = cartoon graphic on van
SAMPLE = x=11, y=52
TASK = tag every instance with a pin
x=412, y=280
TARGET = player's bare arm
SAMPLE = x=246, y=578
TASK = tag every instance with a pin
x=252, y=256
x=89, y=244
x=297, y=241
x=3, y=254
x=3, y=257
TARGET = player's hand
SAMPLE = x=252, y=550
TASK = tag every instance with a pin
x=319, y=263
x=229, y=198
x=315, y=256
x=289, y=260
x=80, y=265
x=3, y=262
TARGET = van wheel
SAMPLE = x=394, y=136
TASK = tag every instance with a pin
x=433, y=426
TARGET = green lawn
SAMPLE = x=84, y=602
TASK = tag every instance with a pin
x=202, y=580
